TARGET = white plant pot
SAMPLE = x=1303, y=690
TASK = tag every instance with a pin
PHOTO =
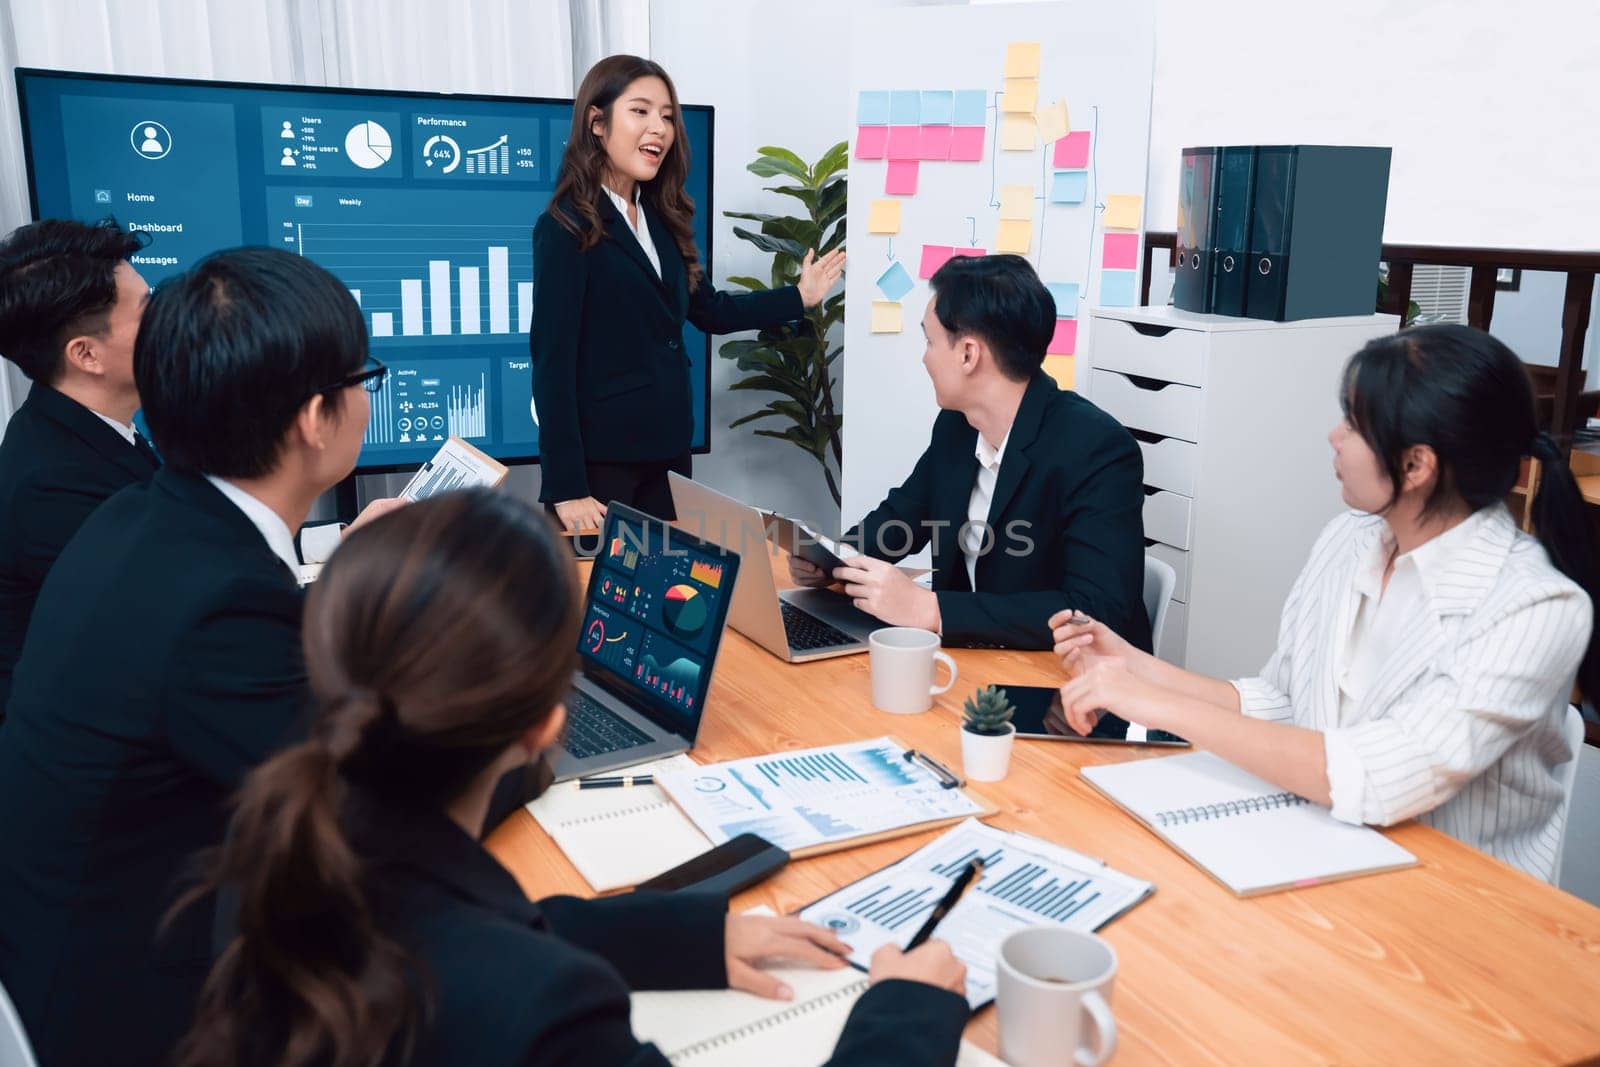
x=987, y=758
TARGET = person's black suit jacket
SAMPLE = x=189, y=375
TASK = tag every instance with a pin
x=518, y=982
x=58, y=463
x=1066, y=518
x=163, y=662
x=610, y=374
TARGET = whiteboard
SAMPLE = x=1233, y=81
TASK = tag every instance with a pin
x=1098, y=59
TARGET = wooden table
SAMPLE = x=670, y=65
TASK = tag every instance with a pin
x=1460, y=960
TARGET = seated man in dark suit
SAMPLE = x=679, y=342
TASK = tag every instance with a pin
x=163, y=659
x=69, y=310
x=70, y=302
x=1031, y=497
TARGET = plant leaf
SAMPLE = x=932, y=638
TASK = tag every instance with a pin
x=753, y=284
x=771, y=167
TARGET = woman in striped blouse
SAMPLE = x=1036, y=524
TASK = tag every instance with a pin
x=1428, y=649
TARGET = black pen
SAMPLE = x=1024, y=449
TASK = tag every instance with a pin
x=941, y=909
x=615, y=783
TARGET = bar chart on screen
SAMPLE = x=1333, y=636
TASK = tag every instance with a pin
x=417, y=278
x=430, y=400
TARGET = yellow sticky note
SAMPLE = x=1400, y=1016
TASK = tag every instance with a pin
x=1053, y=122
x=887, y=316
x=884, y=217
x=1016, y=133
x=1061, y=369
x=1122, y=211
x=1021, y=95
x=1022, y=60
x=1014, y=236
x=1016, y=202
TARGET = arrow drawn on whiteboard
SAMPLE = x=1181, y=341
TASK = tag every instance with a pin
x=1094, y=192
x=974, y=220
x=890, y=253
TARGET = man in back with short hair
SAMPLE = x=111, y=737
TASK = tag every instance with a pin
x=69, y=311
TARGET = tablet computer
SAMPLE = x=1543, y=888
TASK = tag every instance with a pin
x=1039, y=717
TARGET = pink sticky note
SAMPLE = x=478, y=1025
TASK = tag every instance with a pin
x=933, y=257
x=966, y=143
x=1065, y=340
x=1072, y=151
x=960, y=251
x=902, y=178
x=936, y=142
x=871, y=141
x=905, y=142
x=1121, y=251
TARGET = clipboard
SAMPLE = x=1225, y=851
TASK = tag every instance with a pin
x=946, y=779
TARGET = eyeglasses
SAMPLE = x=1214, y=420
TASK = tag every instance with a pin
x=370, y=377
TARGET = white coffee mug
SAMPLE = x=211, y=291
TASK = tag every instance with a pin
x=1054, y=989
x=902, y=669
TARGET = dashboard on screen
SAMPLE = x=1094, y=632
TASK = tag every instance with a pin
x=421, y=204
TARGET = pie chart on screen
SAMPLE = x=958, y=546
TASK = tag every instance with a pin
x=367, y=145
x=684, y=610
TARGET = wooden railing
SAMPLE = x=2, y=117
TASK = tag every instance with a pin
x=1579, y=267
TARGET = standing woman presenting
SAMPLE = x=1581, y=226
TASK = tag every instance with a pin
x=615, y=274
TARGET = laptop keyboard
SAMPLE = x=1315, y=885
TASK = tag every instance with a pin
x=594, y=730
x=805, y=632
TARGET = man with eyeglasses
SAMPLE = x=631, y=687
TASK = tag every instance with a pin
x=70, y=304
x=163, y=659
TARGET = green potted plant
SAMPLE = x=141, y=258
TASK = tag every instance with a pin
x=987, y=734
x=794, y=360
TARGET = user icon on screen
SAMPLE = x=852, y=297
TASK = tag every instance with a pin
x=288, y=131
x=288, y=158
x=151, y=146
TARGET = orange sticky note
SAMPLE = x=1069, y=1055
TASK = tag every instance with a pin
x=1016, y=202
x=1022, y=60
x=884, y=217
x=1017, y=133
x=1053, y=122
x=1021, y=96
x=1122, y=211
x=887, y=316
x=1014, y=236
x=1061, y=368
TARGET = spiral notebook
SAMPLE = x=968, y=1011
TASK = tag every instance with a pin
x=1246, y=833
x=726, y=1028
x=620, y=837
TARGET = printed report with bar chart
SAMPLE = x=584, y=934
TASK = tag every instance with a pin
x=1025, y=882
x=421, y=204
x=818, y=799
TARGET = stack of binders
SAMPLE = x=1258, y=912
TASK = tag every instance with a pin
x=1280, y=232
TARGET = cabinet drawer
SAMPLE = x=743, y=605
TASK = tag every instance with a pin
x=1174, y=644
x=1166, y=518
x=1169, y=464
x=1172, y=355
x=1177, y=559
x=1168, y=409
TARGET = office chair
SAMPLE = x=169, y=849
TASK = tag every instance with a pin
x=1159, y=582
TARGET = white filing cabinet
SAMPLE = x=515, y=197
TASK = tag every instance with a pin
x=1233, y=417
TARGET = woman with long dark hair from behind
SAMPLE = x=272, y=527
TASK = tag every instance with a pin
x=615, y=275
x=1428, y=648
x=372, y=927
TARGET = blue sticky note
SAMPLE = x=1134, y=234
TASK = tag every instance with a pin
x=905, y=108
x=938, y=107
x=1069, y=187
x=1065, y=294
x=895, y=282
x=1117, y=288
x=872, y=109
x=971, y=107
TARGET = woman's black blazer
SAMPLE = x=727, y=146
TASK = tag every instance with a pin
x=610, y=374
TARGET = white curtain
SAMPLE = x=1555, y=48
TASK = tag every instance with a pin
x=512, y=47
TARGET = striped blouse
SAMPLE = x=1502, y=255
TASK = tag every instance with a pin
x=1459, y=723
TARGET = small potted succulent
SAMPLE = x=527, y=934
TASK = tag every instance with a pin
x=987, y=734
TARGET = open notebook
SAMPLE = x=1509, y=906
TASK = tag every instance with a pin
x=621, y=837
x=726, y=1028
x=1246, y=833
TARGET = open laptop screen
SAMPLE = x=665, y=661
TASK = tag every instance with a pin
x=657, y=601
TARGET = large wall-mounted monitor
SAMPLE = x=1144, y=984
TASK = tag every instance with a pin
x=422, y=204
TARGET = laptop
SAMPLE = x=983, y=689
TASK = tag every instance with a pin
x=653, y=616
x=795, y=625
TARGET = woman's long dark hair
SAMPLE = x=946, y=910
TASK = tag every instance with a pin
x=1467, y=396
x=583, y=165
x=434, y=639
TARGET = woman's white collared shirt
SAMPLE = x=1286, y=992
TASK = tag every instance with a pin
x=641, y=229
x=1443, y=697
